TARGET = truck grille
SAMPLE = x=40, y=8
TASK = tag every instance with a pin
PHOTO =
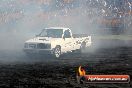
x=33, y=46
x=43, y=46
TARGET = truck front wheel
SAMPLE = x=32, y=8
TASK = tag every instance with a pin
x=57, y=51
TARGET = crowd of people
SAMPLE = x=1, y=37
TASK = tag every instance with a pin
x=65, y=10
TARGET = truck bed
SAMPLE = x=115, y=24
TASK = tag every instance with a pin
x=80, y=35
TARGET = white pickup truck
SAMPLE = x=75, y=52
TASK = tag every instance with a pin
x=56, y=41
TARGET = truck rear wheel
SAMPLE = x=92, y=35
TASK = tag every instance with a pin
x=57, y=51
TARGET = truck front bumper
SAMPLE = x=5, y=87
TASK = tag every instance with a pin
x=38, y=51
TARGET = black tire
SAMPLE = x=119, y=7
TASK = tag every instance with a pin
x=57, y=52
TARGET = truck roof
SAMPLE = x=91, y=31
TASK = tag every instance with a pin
x=57, y=28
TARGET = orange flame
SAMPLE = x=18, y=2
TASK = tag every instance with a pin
x=81, y=71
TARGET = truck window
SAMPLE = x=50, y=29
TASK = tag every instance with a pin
x=54, y=33
x=67, y=34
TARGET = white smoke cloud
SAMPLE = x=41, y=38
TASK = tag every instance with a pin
x=22, y=19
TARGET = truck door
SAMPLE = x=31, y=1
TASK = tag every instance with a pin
x=68, y=40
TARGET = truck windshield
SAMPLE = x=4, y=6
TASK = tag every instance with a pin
x=54, y=33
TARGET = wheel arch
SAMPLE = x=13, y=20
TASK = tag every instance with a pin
x=58, y=46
